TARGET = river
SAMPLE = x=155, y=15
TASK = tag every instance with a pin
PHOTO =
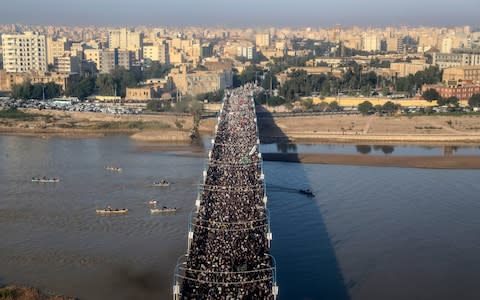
x=370, y=233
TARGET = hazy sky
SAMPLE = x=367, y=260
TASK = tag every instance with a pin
x=244, y=13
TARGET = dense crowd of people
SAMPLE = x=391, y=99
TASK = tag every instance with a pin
x=229, y=254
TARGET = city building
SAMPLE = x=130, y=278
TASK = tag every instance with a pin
x=248, y=52
x=447, y=45
x=8, y=80
x=403, y=69
x=461, y=75
x=462, y=92
x=157, y=52
x=56, y=48
x=142, y=93
x=62, y=79
x=198, y=82
x=107, y=60
x=457, y=58
x=125, y=39
x=262, y=40
x=67, y=64
x=371, y=42
x=24, y=52
x=94, y=56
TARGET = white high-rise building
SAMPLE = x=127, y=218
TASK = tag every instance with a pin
x=262, y=40
x=157, y=52
x=371, y=42
x=124, y=39
x=55, y=48
x=24, y=52
x=447, y=45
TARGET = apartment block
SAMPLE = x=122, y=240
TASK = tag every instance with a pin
x=460, y=75
x=56, y=48
x=262, y=40
x=198, y=82
x=450, y=60
x=248, y=52
x=371, y=42
x=24, y=52
x=157, y=52
x=125, y=39
x=67, y=64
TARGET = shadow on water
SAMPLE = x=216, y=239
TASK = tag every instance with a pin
x=307, y=267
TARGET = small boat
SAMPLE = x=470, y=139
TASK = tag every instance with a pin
x=152, y=202
x=45, y=180
x=110, y=211
x=113, y=169
x=161, y=183
x=163, y=210
x=307, y=192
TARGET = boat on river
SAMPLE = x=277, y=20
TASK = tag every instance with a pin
x=45, y=179
x=113, y=169
x=306, y=192
x=111, y=211
x=164, y=209
x=161, y=183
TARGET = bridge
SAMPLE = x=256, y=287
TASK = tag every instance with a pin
x=228, y=254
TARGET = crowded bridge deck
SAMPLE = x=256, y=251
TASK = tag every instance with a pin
x=228, y=255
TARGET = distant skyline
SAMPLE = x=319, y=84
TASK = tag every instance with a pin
x=245, y=13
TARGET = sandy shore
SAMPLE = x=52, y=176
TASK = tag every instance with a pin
x=148, y=128
x=448, y=130
x=425, y=162
x=426, y=130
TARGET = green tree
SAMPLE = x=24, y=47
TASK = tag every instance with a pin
x=36, y=91
x=378, y=108
x=250, y=74
x=216, y=96
x=156, y=70
x=431, y=94
x=81, y=88
x=450, y=101
x=334, y=106
x=276, y=101
x=105, y=85
x=474, y=101
x=390, y=107
x=365, y=107
x=431, y=75
x=154, y=105
x=52, y=90
x=307, y=104
x=269, y=81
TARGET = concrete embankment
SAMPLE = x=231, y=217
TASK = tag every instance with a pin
x=425, y=162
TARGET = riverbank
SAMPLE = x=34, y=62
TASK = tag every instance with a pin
x=148, y=128
x=427, y=130
x=167, y=128
x=24, y=293
x=423, y=162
